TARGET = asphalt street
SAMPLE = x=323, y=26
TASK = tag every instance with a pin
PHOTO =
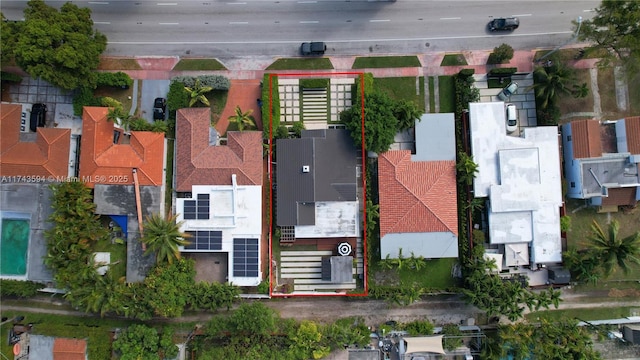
x=276, y=28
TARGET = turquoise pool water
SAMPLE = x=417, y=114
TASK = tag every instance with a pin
x=14, y=244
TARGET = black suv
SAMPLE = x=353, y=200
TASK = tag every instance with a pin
x=38, y=116
x=504, y=24
x=313, y=48
x=159, y=108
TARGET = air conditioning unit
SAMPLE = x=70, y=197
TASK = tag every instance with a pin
x=305, y=168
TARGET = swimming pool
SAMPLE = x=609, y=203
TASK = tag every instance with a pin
x=14, y=245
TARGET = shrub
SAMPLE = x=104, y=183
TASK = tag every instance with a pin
x=508, y=71
x=549, y=115
x=314, y=83
x=297, y=128
x=117, y=79
x=274, y=117
x=449, y=342
x=111, y=102
x=467, y=72
x=11, y=77
x=501, y=54
x=84, y=97
x=478, y=236
x=565, y=223
x=418, y=327
x=217, y=82
x=19, y=288
x=177, y=98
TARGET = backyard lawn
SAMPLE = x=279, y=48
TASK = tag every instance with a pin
x=584, y=314
x=406, y=88
x=436, y=275
x=569, y=104
x=386, y=62
x=124, y=96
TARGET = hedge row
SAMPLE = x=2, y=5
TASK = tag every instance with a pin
x=314, y=83
x=275, y=105
x=19, y=288
x=217, y=82
x=7, y=76
x=117, y=79
x=503, y=71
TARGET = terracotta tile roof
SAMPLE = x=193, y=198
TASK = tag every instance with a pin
x=104, y=162
x=632, y=127
x=198, y=163
x=416, y=196
x=48, y=155
x=586, y=139
x=620, y=196
x=69, y=349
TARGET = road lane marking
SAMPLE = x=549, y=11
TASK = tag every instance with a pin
x=167, y=4
x=236, y=3
x=102, y=22
x=380, y=20
x=307, y=2
x=451, y=18
x=238, y=22
x=521, y=15
x=309, y=22
x=99, y=2
x=588, y=10
x=168, y=23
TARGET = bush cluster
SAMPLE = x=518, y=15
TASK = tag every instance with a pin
x=274, y=117
x=84, y=97
x=117, y=79
x=18, y=288
x=11, y=77
x=503, y=71
x=217, y=82
x=501, y=54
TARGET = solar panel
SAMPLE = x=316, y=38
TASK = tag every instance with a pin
x=197, y=209
x=245, y=257
x=204, y=240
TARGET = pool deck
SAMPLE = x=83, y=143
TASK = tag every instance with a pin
x=34, y=201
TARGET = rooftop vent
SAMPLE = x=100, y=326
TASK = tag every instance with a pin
x=305, y=168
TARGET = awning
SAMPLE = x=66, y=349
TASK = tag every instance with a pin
x=431, y=344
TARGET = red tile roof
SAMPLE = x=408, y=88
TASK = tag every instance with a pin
x=69, y=349
x=585, y=135
x=632, y=127
x=416, y=196
x=198, y=163
x=47, y=156
x=104, y=162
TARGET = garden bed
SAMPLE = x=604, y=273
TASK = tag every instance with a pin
x=453, y=60
x=386, y=62
x=198, y=64
x=301, y=64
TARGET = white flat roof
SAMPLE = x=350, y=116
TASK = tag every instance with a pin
x=333, y=219
x=521, y=177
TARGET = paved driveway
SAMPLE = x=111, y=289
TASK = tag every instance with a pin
x=151, y=89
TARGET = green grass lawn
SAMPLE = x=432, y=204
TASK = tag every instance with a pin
x=453, y=60
x=386, y=62
x=569, y=104
x=301, y=64
x=634, y=94
x=432, y=98
x=582, y=314
x=403, y=88
x=124, y=96
x=436, y=275
x=218, y=100
x=199, y=64
x=118, y=256
x=607, y=90
x=447, y=94
x=494, y=83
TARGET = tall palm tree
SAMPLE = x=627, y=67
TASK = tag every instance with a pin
x=466, y=167
x=243, y=119
x=121, y=118
x=162, y=237
x=551, y=82
x=611, y=250
x=196, y=93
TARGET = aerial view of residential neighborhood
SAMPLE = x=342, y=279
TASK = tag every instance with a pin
x=320, y=179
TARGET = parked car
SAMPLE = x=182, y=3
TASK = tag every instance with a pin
x=38, y=116
x=508, y=91
x=512, y=118
x=159, y=108
x=504, y=24
x=313, y=48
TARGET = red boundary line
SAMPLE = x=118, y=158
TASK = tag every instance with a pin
x=364, y=184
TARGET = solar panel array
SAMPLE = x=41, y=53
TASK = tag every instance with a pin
x=204, y=240
x=197, y=209
x=245, y=257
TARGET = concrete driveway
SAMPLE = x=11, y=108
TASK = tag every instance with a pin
x=151, y=89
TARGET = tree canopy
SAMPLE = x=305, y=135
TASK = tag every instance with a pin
x=616, y=28
x=60, y=47
x=140, y=342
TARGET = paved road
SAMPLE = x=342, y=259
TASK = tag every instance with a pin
x=276, y=28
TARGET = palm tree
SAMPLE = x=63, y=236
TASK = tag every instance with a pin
x=611, y=250
x=121, y=118
x=162, y=237
x=196, y=93
x=551, y=82
x=466, y=168
x=243, y=119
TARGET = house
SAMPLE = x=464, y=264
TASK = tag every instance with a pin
x=520, y=176
x=418, y=199
x=108, y=155
x=39, y=347
x=602, y=161
x=41, y=156
x=316, y=179
x=220, y=194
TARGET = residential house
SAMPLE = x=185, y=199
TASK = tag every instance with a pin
x=418, y=199
x=520, y=176
x=602, y=161
x=39, y=347
x=316, y=180
x=220, y=193
x=40, y=156
x=108, y=155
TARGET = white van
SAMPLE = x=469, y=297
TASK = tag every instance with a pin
x=512, y=118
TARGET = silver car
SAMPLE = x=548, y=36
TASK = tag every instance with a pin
x=508, y=91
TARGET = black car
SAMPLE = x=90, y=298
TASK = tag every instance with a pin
x=504, y=24
x=38, y=116
x=313, y=48
x=159, y=108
